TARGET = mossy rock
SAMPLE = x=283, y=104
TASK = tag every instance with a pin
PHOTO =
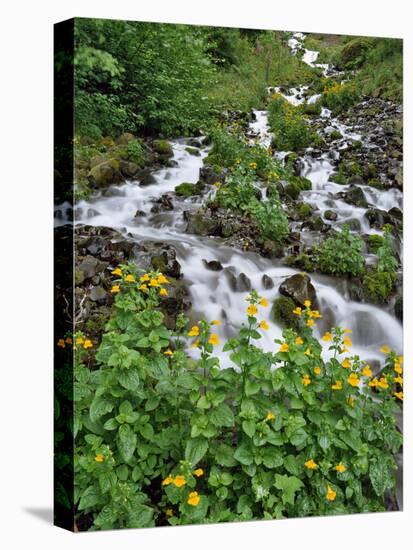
x=193, y=151
x=304, y=210
x=282, y=312
x=378, y=286
x=303, y=261
x=339, y=177
x=374, y=242
x=106, y=173
x=125, y=138
x=163, y=147
x=296, y=185
x=189, y=189
x=335, y=134
x=353, y=53
x=376, y=183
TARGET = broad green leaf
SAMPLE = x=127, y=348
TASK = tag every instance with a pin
x=126, y=441
x=195, y=450
x=288, y=485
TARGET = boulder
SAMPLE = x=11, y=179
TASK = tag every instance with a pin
x=213, y=265
x=193, y=151
x=299, y=288
x=163, y=148
x=189, y=189
x=210, y=174
x=202, y=224
x=98, y=294
x=330, y=215
x=165, y=261
x=91, y=266
x=128, y=169
x=267, y=282
x=124, y=139
x=105, y=173
x=353, y=195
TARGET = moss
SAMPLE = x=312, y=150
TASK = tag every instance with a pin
x=374, y=242
x=312, y=109
x=304, y=210
x=282, y=312
x=354, y=52
x=335, y=134
x=188, y=189
x=162, y=147
x=378, y=286
x=376, y=183
x=192, y=151
x=302, y=261
x=296, y=185
x=339, y=177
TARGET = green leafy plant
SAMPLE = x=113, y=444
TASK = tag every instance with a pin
x=339, y=97
x=341, y=254
x=291, y=131
x=162, y=437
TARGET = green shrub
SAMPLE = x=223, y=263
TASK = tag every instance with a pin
x=291, y=131
x=340, y=97
x=161, y=438
x=341, y=254
x=374, y=242
x=135, y=152
x=240, y=193
x=378, y=285
x=386, y=261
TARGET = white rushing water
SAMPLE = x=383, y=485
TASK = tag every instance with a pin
x=216, y=294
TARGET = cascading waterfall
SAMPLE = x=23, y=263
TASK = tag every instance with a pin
x=213, y=293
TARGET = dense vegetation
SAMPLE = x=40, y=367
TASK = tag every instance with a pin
x=162, y=434
x=173, y=79
x=163, y=438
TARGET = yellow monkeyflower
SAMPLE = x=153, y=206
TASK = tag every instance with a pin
x=382, y=383
x=310, y=464
x=316, y=314
x=366, y=371
x=400, y=359
x=79, y=340
x=327, y=337
x=353, y=380
x=385, y=349
x=195, y=344
x=168, y=352
x=194, y=331
x=398, y=368
x=163, y=280
x=283, y=348
x=168, y=480
x=344, y=350
x=88, y=344
x=163, y=292
x=270, y=416
x=299, y=341
x=307, y=303
x=398, y=380
x=179, y=481
x=308, y=352
x=253, y=165
x=297, y=311
x=317, y=370
x=310, y=322
x=61, y=343
x=264, y=302
x=154, y=283
x=252, y=310
x=373, y=383
x=193, y=498
x=169, y=512
x=216, y=322
x=117, y=271
x=115, y=289
x=331, y=495
x=338, y=385
x=347, y=341
x=399, y=395
x=99, y=458
x=306, y=380
x=199, y=472
x=346, y=363
x=130, y=279
x=143, y=287
x=213, y=339
x=264, y=325
x=340, y=468
x=144, y=278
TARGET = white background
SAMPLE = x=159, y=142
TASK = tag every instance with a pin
x=26, y=271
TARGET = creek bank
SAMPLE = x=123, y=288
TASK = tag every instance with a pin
x=98, y=251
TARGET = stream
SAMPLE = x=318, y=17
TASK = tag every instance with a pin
x=212, y=292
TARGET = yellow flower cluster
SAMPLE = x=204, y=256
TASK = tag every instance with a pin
x=80, y=341
x=145, y=281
